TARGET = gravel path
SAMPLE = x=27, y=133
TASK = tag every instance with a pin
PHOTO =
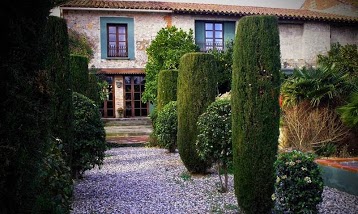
x=136, y=180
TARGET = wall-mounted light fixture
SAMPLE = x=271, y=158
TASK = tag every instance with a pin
x=119, y=84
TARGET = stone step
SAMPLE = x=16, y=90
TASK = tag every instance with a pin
x=135, y=121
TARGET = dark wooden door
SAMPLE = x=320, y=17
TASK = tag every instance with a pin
x=107, y=108
x=133, y=89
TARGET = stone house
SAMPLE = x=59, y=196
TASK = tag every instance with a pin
x=122, y=30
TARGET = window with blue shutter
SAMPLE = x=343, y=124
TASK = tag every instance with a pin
x=117, y=38
x=213, y=35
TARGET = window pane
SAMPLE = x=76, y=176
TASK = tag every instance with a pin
x=144, y=112
x=209, y=26
x=128, y=96
x=218, y=26
x=144, y=105
x=218, y=34
x=137, y=112
x=218, y=42
x=128, y=112
x=112, y=37
x=128, y=88
x=110, y=113
x=137, y=88
x=122, y=38
x=137, y=104
x=136, y=80
x=109, y=104
x=137, y=96
x=209, y=34
x=122, y=29
x=127, y=80
x=112, y=29
x=142, y=88
x=128, y=105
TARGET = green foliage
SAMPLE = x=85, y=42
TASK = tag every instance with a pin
x=57, y=64
x=167, y=87
x=349, y=112
x=94, y=89
x=196, y=90
x=322, y=86
x=167, y=126
x=164, y=53
x=224, y=59
x=54, y=183
x=344, y=58
x=79, y=72
x=89, y=135
x=299, y=184
x=255, y=111
x=214, y=136
x=79, y=44
x=24, y=106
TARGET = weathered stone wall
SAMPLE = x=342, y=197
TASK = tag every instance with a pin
x=146, y=26
x=300, y=42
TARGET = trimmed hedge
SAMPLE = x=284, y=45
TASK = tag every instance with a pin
x=196, y=90
x=167, y=87
x=255, y=111
x=89, y=136
x=57, y=64
x=94, y=89
x=167, y=126
x=79, y=72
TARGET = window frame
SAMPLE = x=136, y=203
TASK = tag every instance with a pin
x=117, y=40
x=213, y=38
x=104, y=36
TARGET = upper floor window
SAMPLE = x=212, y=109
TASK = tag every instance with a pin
x=214, y=36
x=211, y=34
x=117, y=40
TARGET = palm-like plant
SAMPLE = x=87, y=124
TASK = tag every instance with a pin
x=323, y=86
x=349, y=112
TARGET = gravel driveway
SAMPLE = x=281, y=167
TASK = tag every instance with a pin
x=149, y=180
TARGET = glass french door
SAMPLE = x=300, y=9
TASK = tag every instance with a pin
x=107, y=108
x=133, y=89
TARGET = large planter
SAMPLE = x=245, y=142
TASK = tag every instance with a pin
x=340, y=173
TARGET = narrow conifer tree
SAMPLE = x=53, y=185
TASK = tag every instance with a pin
x=196, y=90
x=255, y=111
x=57, y=63
x=167, y=87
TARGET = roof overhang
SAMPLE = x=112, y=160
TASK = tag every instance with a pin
x=121, y=71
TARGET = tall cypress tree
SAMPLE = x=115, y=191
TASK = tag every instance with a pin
x=57, y=64
x=255, y=111
x=24, y=102
x=167, y=87
x=196, y=90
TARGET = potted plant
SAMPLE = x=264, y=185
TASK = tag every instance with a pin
x=120, y=111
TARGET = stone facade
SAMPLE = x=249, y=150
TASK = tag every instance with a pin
x=300, y=42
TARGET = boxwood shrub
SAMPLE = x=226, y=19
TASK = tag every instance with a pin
x=167, y=126
x=299, y=184
x=89, y=135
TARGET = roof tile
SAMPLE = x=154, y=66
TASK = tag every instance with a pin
x=232, y=10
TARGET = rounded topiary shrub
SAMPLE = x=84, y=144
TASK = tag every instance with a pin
x=167, y=126
x=255, y=111
x=89, y=135
x=167, y=87
x=214, y=137
x=299, y=184
x=196, y=90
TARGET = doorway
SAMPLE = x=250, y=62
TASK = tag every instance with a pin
x=133, y=89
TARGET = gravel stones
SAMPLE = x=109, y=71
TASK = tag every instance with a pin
x=150, y=180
